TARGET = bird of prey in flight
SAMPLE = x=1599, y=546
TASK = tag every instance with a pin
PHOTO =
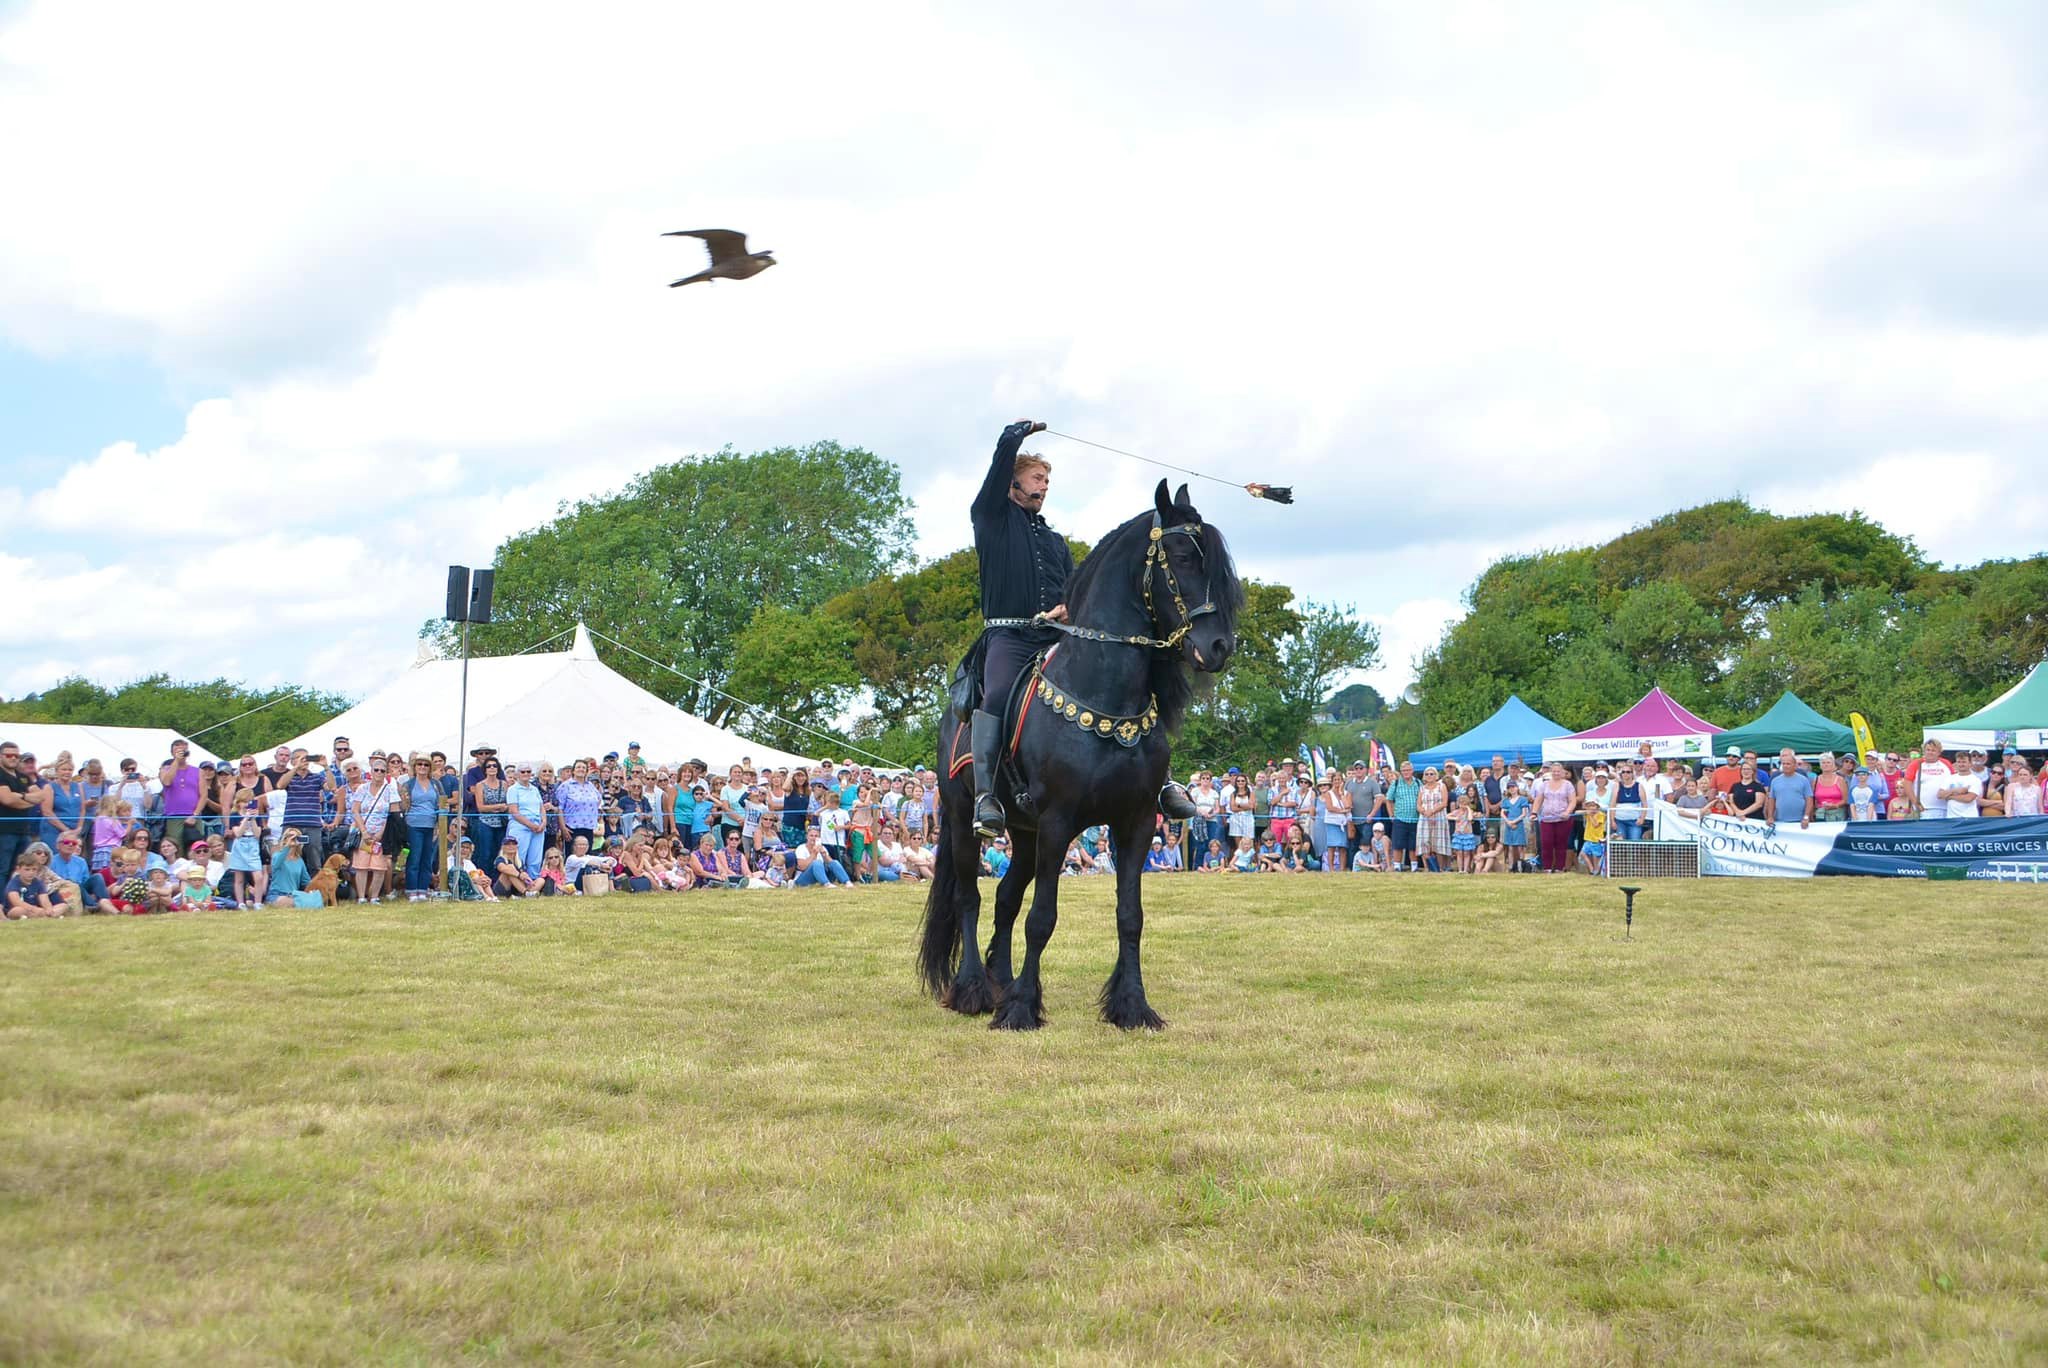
x=730, y=259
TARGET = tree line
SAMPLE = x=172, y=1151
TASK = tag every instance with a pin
x=255, y=719
x=775, y=591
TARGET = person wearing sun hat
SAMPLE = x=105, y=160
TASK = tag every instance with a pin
x=1729, y=772
x=193, y=889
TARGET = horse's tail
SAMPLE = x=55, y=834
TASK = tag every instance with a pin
x=939, y=956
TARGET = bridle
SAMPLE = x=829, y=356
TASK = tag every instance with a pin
x=1155, y=557
x=1155, y=563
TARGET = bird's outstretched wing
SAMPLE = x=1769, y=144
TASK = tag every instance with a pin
x=725, y=244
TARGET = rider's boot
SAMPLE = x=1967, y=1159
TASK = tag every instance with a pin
x=1174, y=801
x=989, y=817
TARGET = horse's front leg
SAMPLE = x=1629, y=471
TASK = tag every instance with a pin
x=1009, y=902
x=1023, y=1005
x=1123, y=997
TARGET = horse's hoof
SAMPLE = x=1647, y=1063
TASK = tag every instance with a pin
x=973, y=997
x=1016, y=1014
x=1127, y=1010
x=1143, y=1018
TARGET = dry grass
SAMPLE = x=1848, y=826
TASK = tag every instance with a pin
x=1409, y=1119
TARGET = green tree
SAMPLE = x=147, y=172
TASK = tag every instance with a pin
x=678, y=563
x=1726, y=606
x=254, y=719
x=1355, y=703
x=1264, y=704
x=910, y=631
x=797, y=667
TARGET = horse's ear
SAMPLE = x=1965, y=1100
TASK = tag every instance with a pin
x=1180, y=498
x=1160, y=500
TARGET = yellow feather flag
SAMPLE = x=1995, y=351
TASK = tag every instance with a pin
x=1865, y=742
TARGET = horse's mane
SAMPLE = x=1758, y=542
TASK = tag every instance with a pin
x=1122, y=552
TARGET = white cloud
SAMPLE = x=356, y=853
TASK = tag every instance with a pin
x=1407, y=632
x=1473, y=278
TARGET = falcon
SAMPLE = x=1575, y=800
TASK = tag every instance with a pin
x=730, y=259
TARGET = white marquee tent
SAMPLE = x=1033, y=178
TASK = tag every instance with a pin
x=148, y=747
x=554, y=706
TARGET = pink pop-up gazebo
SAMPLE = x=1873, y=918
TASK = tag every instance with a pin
x=1672, y=731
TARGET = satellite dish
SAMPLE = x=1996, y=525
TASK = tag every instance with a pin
x=1411, y=695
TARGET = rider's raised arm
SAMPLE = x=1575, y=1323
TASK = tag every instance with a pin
x=1002, y=467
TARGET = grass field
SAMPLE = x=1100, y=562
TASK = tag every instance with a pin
x=1396, y=1119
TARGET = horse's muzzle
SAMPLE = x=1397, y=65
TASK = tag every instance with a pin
x=1213, y=654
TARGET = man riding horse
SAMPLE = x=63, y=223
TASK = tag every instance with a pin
x=1024, y=570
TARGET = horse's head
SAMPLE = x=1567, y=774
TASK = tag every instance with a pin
x=1191, y=582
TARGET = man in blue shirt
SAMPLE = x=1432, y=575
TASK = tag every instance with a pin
x=1791, y=792
x=69, y=865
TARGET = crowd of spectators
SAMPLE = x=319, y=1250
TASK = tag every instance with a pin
x=1506, y=817
x=393, y=824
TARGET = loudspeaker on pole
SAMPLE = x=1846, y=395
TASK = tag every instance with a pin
x=458, y=593
x=480, y=595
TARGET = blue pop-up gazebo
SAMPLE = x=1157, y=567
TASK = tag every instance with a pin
x=1515, y=731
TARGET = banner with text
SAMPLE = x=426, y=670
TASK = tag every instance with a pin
x=2007, y=849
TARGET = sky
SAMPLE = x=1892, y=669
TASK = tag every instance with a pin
x=298, y=306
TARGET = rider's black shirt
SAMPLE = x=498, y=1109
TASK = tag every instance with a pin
x=1024, y=563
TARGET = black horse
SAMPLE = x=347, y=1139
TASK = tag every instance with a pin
x=1154, y=602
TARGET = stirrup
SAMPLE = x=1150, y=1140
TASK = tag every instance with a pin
x=989, y=817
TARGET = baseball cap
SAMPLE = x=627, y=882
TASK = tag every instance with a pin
x=1233, y=770
x=1358, y=764
x=632, y=745
x=611, y=755
x=1379, y=826
x=1863, y=769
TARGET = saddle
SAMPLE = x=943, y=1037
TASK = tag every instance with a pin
x=963, y=697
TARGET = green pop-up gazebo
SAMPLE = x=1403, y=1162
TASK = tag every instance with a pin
x=2017, y=717
x=1789, y=723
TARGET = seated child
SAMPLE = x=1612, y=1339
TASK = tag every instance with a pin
x=554, y=878
x=194, y=892
x=126, y=887
x=465, y=880
x=28, y=893
x=1490, y=858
